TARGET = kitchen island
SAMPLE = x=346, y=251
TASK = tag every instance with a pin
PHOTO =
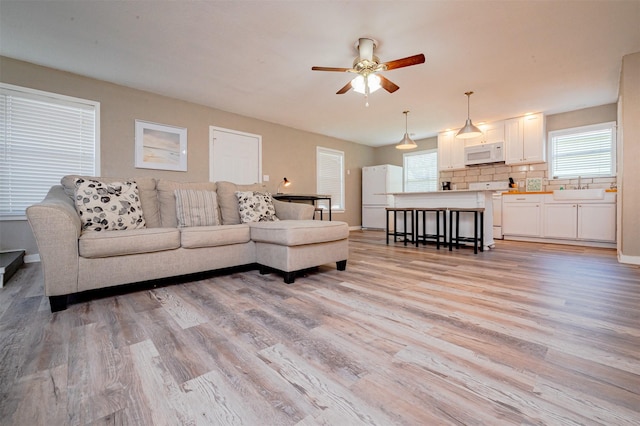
x=466, y=198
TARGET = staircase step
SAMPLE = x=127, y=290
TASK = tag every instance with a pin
x=10, y=262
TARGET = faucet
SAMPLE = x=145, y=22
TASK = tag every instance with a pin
x=579, y=180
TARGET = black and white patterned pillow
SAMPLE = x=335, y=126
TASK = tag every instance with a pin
x=108, y=206
x=256, y=206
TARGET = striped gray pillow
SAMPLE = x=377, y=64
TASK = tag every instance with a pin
x=196, y=208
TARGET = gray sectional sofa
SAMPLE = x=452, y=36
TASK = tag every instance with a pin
x=75, y=259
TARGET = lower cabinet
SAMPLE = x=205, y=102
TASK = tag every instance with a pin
x=597, y=222
x=540, y=216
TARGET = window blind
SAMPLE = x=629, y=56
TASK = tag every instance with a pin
x=583, y=151
x=421, y=171
x=42, y=138
x=330, y=177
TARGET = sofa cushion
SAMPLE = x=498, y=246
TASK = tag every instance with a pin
x=167, y=198
x=213, y=236
x=298, y=232
x=146, y=191
x=228, y=202
x=196, y=208
x=111, y=206
x=254, y=206
x=107, y=244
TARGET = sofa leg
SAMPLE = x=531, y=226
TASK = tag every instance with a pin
x=289, y=277
x=341, y=265
x=264, y=270
x=58, y=303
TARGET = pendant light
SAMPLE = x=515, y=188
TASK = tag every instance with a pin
x=469, y=130
x=406, y=142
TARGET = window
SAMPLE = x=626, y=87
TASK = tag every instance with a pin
x=587, y=151
x=421, y=171
x=43, y=136
x=330, y=181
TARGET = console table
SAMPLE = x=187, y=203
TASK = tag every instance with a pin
x=314, y=198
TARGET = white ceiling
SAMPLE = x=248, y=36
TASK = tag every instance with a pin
x=254, y=58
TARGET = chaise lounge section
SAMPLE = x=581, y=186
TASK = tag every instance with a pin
x=75, y=259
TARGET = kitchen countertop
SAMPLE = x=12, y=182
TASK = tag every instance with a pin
x=541, y=192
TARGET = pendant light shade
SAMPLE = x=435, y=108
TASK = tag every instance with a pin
x=469, y=130
x=406, y=142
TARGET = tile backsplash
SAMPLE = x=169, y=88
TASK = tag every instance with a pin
x=502, y=172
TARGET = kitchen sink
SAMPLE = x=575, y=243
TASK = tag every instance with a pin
x=579, y=194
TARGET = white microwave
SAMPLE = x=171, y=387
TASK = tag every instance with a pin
x=483, y=154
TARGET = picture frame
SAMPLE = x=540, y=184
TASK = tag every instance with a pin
x=160, y=146
x=534, y=184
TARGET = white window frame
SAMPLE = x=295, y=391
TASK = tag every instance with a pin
x=40, y=189
x=555, y=134
x=427, y=185
x=336, y=181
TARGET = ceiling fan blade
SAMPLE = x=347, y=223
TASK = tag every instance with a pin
x=330, y=69
x=345, y=89
x=387, y=84
x=405, y=62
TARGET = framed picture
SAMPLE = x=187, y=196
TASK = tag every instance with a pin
x=534, y=184
x=161, y=147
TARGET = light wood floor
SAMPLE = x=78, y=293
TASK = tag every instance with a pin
x=526, y=334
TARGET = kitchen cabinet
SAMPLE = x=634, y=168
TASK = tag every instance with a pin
x=522, y=215
x=592, y=220
x=597, y=222
x=524, y=139
x=450, y=151
x=491, y=133
x=541, y=217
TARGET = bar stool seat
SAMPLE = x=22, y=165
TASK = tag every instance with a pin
x=407, y=233
x=478, y=228
x=423, y=235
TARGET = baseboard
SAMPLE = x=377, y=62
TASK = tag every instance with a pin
x=355, y=228
x=32, y=258
x=631, y=260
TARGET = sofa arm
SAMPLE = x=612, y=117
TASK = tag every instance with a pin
x=293, y=211
x=57, y=227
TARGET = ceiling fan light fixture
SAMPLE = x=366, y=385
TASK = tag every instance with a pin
x=373, y=81
x=469, y=130
x=406, y=142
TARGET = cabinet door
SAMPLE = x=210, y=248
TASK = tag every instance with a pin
x=450, y=151
x=444, y=151
x=597, y=222
x=560, y=220
x=513, y=134
x=493, y=132
x=521, y=219
x=533, y=145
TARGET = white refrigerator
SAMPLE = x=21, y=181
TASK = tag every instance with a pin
x=376, y=182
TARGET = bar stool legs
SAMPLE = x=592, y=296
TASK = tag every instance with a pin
x=406, y=232
x=478, y=228
x=423, y=236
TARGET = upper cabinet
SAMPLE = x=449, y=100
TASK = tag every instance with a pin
x=524, y=139
x=450, y=151
x=491, y=132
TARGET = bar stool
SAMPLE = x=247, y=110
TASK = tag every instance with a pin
x=477, y=213
x=424, y=236
x=406, y=232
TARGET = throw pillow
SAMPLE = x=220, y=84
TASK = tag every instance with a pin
x=228, y=201
x=108, y=206
x=196, y=208
x=255, y=206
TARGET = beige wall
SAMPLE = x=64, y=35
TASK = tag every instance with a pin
x=629, y=153
x=286, y=151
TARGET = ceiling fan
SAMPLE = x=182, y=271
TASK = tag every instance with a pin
x=368, y=67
